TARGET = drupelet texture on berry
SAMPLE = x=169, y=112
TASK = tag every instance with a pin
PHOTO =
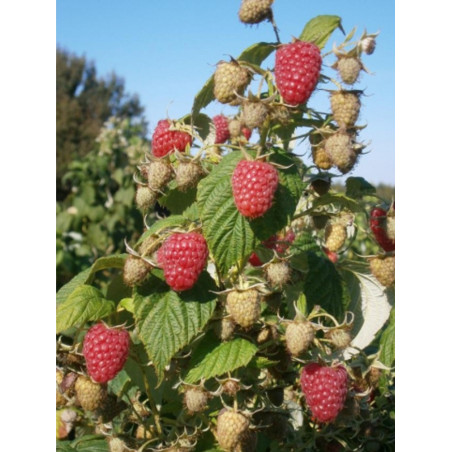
x=183, y=256
x=297, y=70
x=254, y=185
x=325, y=389
x=221, y=124
x=165, y=141
x=105, y=350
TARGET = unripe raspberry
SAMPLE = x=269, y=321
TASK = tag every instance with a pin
x=148, y=245
x=268, y=333
x=345, y=106
x=321, y=157
x=255, y=11
x=230, y=78
x=222, y=133
x=349, y=69
x=195, y=400
x=90, y=395
x=145, y=432
x=390, y=224
x=383, y=268
x=278, y=274
x=235, y=128
x=224, y=328
x=230, y=386
x=280, y=114
x=368, y=45
x=232, y=428
x=340, y=148
x=339, y=337
x=299, y=336
x=60, y=399
x=116, y=444
x=188, y=175
x=159, y=173
x=145, y=198
x=254, y=114
x=244, y=307
x=135, y=271
x=335, y=236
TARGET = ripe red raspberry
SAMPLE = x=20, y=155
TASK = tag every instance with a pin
x=297, y=70
x=105, y=350
x=253, y=186
x=183, y=257
x=325, y=389
x=378, y=227
x=165, y=141
x=279, y=244
x=221, y=124
x=246, y=133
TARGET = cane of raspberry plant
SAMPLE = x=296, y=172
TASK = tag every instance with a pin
x=230, y=79
x=183, y=256
x=166, y=141
x=254, y=184
x=325, y=389
x=105, y=350
x=297, y=70
x=222, y=133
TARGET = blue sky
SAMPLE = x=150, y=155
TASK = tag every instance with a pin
x=166, y=51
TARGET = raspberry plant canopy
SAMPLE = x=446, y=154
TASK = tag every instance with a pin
x=208, y=293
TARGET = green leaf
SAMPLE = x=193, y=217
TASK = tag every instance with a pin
x=226, y=357
x=103, y=263
x=201, y=122
x=257, y=53
x=191, y=212
x=319, y=29
x=323, y=286
x=91, y=443
x=228, y=234
x=171, y=320
x=85, y=303
x=177, y=201
x=387, y=342
x=203, y=98
x=336, y=198
x=173, y=221
x=357, y=187
x=68, y=288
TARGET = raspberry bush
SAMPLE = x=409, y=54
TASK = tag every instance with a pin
x=257, y=314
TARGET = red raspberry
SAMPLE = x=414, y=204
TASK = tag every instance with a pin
x=280, y=245
x=253, y=186
x=377, y=225
x=164, y=141
x=246, y=132
x=221, y=129
x=297, y=70
x=105, y=350
x=183, y=257
x=325, y=389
